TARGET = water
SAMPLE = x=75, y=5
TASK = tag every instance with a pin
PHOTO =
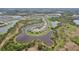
x=55, y=24
x=11, y=20
x=76, y=22
x=4, y=29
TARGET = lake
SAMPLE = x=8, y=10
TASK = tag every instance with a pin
x=11, y=20
x=76, y=22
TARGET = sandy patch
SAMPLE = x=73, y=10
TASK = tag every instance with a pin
x=71, y=46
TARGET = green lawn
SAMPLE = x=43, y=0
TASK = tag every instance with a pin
x=60, y=44
x=76, y=40
x=70, y=27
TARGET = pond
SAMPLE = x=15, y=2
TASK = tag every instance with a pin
x=4, y=29
x=55, y=24
x=76, y=22
x=10, y=20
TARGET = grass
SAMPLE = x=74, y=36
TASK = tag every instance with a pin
x=59, y=44
x=11, y=46
x=70, y=27
x=76, y=40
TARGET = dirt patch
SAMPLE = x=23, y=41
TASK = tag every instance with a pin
x=62, y=49
x=34, y=48
x=71, y=46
